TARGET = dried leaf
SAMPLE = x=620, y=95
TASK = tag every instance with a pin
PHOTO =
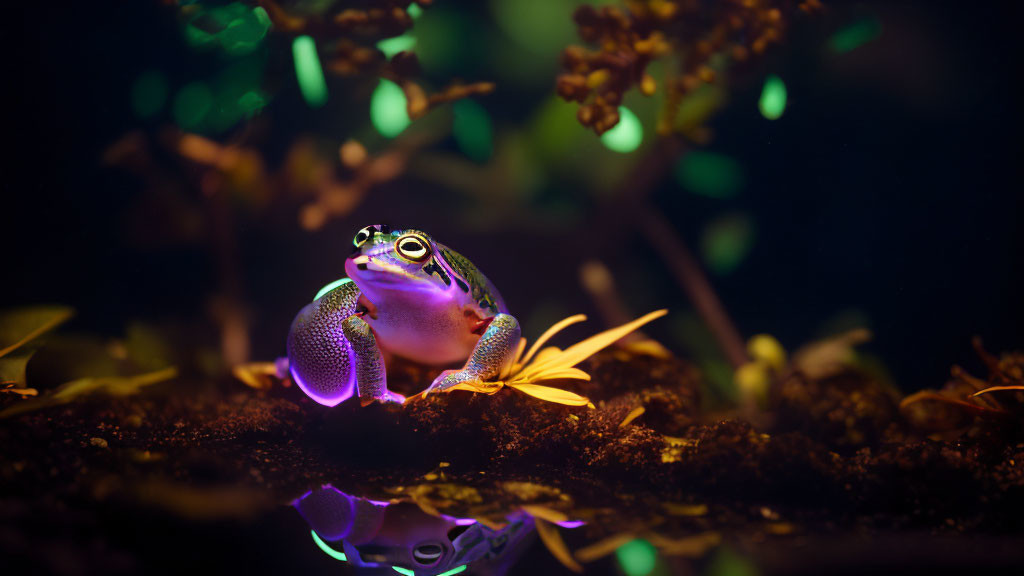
x=258, y=375
x=552, y=516
x=18, y=327
x=685, y=509
x=603, y=548
x=633, y=415
x=689, y=547
x=997, y=389
x=111, y=385
x=552, y=539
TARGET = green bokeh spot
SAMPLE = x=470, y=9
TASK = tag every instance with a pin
x=709, y=174
x=252, y=102
x=149, y=93
x=388, y=111
x=627, y=135
x=191, y=104
x=392, y=46
x=637, y=558
x=543, y=27
x=472, y=130
x=725, y=562
x=855, y=35
x=308, y=71
x=726, y=242
x=235, y=27
x=773, y=98
x=414, y=11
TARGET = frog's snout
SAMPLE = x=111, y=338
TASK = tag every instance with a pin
x=361, y=262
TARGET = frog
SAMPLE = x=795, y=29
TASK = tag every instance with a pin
x=404, y=294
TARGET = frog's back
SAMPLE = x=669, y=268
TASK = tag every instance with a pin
x=473, y=283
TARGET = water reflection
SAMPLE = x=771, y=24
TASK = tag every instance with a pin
x=389, y=538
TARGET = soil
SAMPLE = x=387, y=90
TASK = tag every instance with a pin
x=830, y=476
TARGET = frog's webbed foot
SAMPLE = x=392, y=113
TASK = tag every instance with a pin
x=371, y=379
x=495, y=348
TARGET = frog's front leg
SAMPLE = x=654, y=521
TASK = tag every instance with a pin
x=371, y=377
x=492, y=352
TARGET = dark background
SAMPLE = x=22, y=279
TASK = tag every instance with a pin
x=888, y=193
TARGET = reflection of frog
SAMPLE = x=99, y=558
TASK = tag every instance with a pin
x=382, y=538
x=405, y=294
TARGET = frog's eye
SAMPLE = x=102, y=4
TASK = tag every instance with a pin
x=427, y=553
x=412, y=248
x=363, y=235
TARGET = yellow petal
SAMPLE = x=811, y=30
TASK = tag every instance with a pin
x=582, y=350
x=477, y=386
x=558, y=327
x=565, y=374
x=555, y=395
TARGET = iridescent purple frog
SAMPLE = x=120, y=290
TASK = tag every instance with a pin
x=408, y=295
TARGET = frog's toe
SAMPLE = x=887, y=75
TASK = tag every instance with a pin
x=447, y=379
x=388, y=397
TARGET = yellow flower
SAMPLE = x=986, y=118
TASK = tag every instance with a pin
x=552, y=363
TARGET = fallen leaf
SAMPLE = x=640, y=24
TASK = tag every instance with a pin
x=552, y=539
x=20, y=326
x=111, y=385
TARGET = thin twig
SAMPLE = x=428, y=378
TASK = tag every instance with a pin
x=691, y=277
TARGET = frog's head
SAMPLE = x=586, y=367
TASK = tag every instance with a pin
x=386, y=260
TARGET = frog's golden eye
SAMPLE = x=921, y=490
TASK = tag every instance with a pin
x=363, y=235
x=412, y=247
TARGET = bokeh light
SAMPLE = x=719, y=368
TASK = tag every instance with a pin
x=726, y=242
x=637, y=558
x=855, y=35
x=773, y=98
x=388, y=111
x=309, y=72
x=191, y=105
x=392, y=46
x=627, y=135
x=149, y=93
x=471, y=127
x=709, y=174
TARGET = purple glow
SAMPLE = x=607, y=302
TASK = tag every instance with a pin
x=571, y=523
x=324, y=400
x=379, y=503
x=464, y=521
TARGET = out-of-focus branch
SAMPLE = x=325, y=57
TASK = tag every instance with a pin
x=691, y=277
